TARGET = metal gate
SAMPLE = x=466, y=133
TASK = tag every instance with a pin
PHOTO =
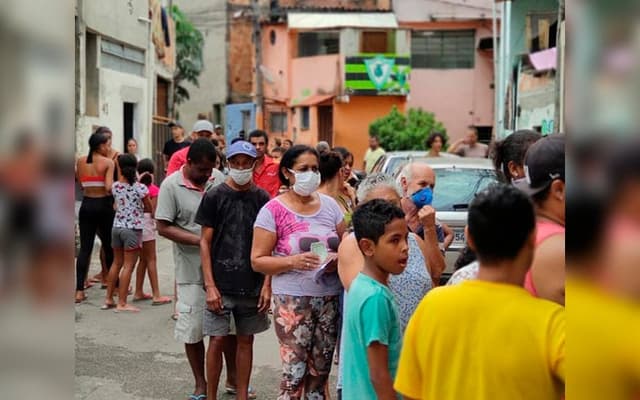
x=160, y=133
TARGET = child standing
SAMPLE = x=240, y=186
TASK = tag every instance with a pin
x=373, y=335
x=148, y=263
x=131, y=200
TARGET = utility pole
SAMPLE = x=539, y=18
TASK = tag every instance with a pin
x=257, y=42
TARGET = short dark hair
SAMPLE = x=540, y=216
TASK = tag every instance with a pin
x=259, y=133
x=330, y=164
x=288, y=141
x=371, y=219
x=215, y=142
x=473, y=128
x=512, y=148
x=201, y=149
x=146, y=165
x=501, y=219
x=289, y=159
x=278, y=149
x=433, y=137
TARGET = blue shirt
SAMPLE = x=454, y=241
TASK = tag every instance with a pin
x=371, y=316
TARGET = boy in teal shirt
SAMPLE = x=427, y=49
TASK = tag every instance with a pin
x=373, y=337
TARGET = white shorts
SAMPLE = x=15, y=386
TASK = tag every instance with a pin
x=148, y=228
x=190, y=307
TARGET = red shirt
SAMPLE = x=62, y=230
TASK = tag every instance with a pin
x=178, y=159
x=266, y=177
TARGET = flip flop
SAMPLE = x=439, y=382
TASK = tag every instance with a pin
x=197, y=397
x=161, y=301
x=108, y=306
x=127, y=309
x=232, y=390
x=145, y=296
x=89, y=284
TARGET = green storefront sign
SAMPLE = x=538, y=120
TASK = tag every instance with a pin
x=377, y=74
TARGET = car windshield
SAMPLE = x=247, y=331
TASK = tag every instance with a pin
x=456, y=187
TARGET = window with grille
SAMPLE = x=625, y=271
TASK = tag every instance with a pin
x=443, y=49
x=278, y=122
x=318, y=43
x=122, y=58
x=304, y=118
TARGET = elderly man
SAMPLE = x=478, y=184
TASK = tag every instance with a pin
x=417, y=181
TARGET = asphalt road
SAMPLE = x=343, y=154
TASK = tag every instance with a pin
x=135, y=357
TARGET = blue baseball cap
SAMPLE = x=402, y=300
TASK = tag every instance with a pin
x=242, y=147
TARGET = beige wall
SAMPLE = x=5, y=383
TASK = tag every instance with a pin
x=458, y=97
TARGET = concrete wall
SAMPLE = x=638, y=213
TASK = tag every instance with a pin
x=458, y=97
x=276, y=63
x=317, y=75
x=208, y=16
x=115, y=19
x=425, y=10
x=351, y=121
x=117, y=22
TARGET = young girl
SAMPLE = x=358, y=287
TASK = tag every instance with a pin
x=146, y=169
x=131, y=201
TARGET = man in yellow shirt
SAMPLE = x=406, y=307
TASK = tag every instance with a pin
x=487, y=338
x=373, y=154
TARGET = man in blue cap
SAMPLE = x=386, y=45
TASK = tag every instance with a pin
x=227, y=215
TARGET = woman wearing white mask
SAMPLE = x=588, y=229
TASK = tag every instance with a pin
x=296, y=237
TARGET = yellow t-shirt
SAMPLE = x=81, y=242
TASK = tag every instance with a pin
x=483, y=341
x=371, y=157
x=603, y=354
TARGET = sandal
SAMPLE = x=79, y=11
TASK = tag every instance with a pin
x=197, y=396
x=161, y=301
x=145, y=296
x=232, y=390
x=107, y=306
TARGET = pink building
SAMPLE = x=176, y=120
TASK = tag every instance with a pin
x=451, y=62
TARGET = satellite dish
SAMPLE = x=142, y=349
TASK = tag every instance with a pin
x=267, y=75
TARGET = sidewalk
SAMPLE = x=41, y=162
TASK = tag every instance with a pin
x=134, y=356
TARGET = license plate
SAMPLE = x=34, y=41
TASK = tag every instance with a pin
x=458, y=236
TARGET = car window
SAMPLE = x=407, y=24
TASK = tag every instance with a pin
x=377, y=167
x=456, y=187
x=395, y=165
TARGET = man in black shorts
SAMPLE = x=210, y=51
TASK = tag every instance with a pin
x=227, y=214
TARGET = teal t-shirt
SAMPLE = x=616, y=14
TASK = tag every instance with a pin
x=371, y=316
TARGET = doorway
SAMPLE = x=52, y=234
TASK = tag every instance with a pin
x=325, y=124
x=128, y=118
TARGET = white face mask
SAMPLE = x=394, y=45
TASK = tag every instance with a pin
x=306, y=182
x=241, y=176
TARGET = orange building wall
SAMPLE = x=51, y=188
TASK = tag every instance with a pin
x=351, y=121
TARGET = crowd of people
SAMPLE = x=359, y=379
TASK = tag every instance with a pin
x=349, y=268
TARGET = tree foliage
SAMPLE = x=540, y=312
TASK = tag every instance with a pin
x=189, y=64
x=397, y=131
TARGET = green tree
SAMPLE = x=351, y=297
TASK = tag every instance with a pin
x=397, y=131
x=189, y=64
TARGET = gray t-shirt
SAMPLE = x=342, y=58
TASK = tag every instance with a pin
x=479, y=150
x=178, y=204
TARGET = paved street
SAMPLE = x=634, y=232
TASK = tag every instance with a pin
x=134, y=356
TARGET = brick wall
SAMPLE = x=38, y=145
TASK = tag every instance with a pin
x=241, y=60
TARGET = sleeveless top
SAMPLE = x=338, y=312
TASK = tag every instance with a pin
x=412, y=284
x=545, y=230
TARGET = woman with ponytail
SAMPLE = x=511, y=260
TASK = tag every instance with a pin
x=95, y=174
x=508, y=154
x=131, y=202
